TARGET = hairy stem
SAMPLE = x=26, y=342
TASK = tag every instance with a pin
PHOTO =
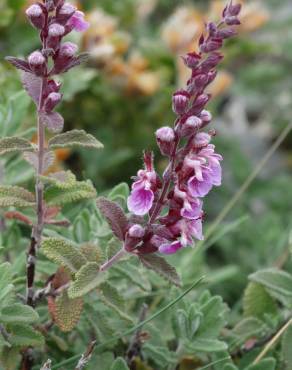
x=112, y=260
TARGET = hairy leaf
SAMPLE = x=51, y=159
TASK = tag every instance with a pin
x=32, y=84
x=74, y=138
x=14, y=144
x=64, y=253
x=24, y=335
x=32, y=159
x=161, y=355
x=112, y=298
x=18, y=313
x=257, y=302
x=91, y=252
x=114, y=215
x=19, y=63
x=54, y=121
x=82, y=58
x=86, y=279
x=119, y=364
x=208, y=345
x=61, y=180
x=15, y=196
x=66, y=312
x=278, y=283
x=55, y=196
x=161, y=266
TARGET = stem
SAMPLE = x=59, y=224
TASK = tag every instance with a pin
x=37, y=229
x=270, y=344
x=112, y=260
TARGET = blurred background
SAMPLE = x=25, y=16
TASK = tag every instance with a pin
x=123, y=95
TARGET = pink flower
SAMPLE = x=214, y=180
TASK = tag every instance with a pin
x=141, y=198
x=188, y=229
x=170, y=248
x=192, y=207
x=77, y=22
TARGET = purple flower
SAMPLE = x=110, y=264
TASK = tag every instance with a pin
x=170, y=248
x=77, y=22
x=188, y=229
x=142, y=196
x=192, y=207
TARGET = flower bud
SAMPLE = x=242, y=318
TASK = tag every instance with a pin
x=56, y=31
x=212, y=61
x=234, y=10
x=232, y=21
x=191, y=125
x=52, y=86
x=205, y=116
x=37, y=63
x=52, y=100
x=200, y=102
x=165, y=139
x=136, y=231
x=226, y=33
x=211, y=45
x=68, y=50
x=201, y=139
x=180, y=101
x=191, y=60
x=36, y=15
x=65, y=13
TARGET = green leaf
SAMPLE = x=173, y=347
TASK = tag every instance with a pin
x=265, y=364
x=24, y=335
x=136, y=275
x=55, y=196
x=91, y=252
x=16, y=196
x=74, y=138
x=119, y=193
x=18, y=313
x=10, y=358
x=161, y=266
x=161, y=355
x=257, y=302
x=207, y=345
x=61, y=180
x=111, y=297
x=119, y=364
x=63, y=253
x=278, y=283
x=286, y=348
x=66, y=312
x=14, y=144
x=86, y=279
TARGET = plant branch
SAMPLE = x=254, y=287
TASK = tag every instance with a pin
x=85, y=358
x=121, y=253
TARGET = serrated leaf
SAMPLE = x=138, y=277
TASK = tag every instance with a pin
x=74, y=138
x=63, y=253
x=54, y=121
x=257, y=302
x=14, y=144
x=66, y=312
x=114, y=215
x=55, y=196
x=24, y=335
x=19, y=63
x=278, y=283
x=32, y=85
x=161, y=266
x=286, y=348
x=16, y=196
x=18, y=313
x=265, y=364
x=86, y=279
x=119, y=364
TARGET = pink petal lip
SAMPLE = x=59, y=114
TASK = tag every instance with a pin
x=140, y=201
x=170, y=248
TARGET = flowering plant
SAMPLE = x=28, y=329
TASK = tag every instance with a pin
x=166, y=214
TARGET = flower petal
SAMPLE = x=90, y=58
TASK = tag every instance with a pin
x=140, y=201
x=77, y=22
x=199, y=188
x=170, y=248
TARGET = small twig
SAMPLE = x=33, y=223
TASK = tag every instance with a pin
x=49, y=291
x=112, y=260
x=4, y=333
x=270, y=344
x=136, y=342
x=85, y=358
x=47, y=365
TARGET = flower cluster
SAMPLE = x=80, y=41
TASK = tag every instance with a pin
x=54, y=19
x=174, y=203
